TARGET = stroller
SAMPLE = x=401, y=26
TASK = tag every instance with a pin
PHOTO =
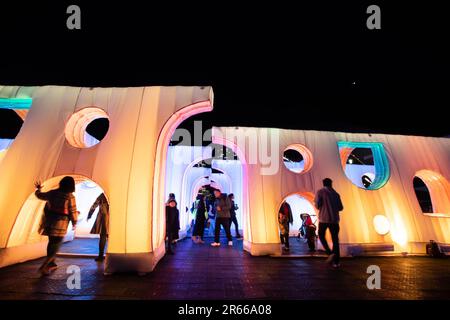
x=307, y=231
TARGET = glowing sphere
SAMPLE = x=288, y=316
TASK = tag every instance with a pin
x=381, y=224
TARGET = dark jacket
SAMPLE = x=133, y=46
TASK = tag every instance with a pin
x=200, y=210
x=172, y=221
x=225, y=205
x=233, y=209
x=59, y=210
x=329, y=204
x=102, y=220
x=286, y=211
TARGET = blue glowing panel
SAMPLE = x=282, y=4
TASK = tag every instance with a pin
x=16, y=103
x=380, y=160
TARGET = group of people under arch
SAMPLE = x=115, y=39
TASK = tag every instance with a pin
x=211, y=210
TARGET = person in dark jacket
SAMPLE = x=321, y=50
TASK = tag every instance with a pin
x=223, y=206
x=101, y=224
x=200, y=219
x=233, y=219
x=284, y=219
x=172, y=224
x=60, y=209
x=329, y=203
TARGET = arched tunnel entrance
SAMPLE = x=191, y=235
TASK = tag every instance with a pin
x=202, y=169
x=76, y=242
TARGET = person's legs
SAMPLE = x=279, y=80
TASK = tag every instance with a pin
x=311, y=237
x=54, y=243
x=322, y=230
x=226, y=226
x=217, y=230
x=201, y=230
x=236, y=225
x=212, y=226
x=102, y=243
x=334, y=229
x=169, y=242
x=281, y=227
x=286, y=239
x=196, y=230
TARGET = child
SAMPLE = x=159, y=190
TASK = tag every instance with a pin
x=310, y=231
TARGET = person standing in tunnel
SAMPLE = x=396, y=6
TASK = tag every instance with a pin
x=60, y=209
x=223, y=206
x=101, y=224
x=172, y=224
x=233, y=219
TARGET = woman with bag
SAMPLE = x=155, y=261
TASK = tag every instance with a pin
x=60, y=209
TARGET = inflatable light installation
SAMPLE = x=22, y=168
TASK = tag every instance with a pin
x=128, y=164
x=387, y=212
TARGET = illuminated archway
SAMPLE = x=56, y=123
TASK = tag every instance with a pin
x=159, y=188
x=25, y=229
x=184, y=199
x=196, y=177
x=300, y=202
x=439, y=192
x=247, y=231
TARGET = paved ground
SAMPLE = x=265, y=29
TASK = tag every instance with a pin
x=202, y=272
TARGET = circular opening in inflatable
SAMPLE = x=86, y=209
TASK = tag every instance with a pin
x=297, y=158
x=381, y=224
x=87, y=127
x=10, y=125
x=365, y=164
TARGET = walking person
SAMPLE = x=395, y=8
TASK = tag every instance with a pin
x=233, y=219
x=223, y=206
x=329, y=203
x=200, y=218
x=285, y=218
x=101, y=224
x=172, y=224
x=60, y=209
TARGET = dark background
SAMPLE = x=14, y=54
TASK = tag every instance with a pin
x=303, y=65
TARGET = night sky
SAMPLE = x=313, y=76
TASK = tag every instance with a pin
x=286, y=66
